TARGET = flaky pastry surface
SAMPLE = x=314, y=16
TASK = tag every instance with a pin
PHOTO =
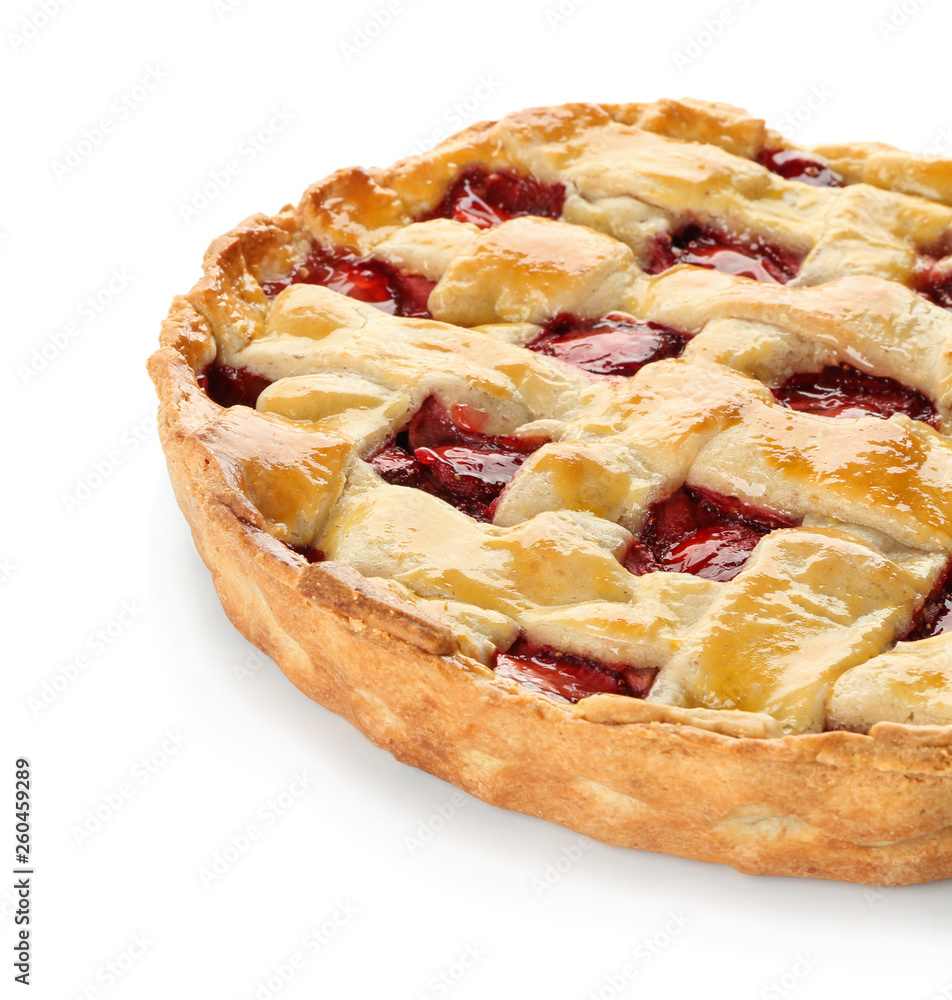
x=727, y=758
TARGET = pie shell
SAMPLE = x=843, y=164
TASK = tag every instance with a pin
x=870, y=808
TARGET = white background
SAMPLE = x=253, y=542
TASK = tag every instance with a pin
x=93, y=542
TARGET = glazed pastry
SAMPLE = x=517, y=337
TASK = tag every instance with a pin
x=597, y=462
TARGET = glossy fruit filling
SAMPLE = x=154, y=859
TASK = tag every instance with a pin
x=933, y=280
x=567, y=676
x=311, y=554
x=614, y=344
x=935, y=615
x=749, y=258
x=796, y=166
x=488, y=197
x=444, y=453
x=366, y=279
x=232, y=386
x=843, y=391
x=701, y=532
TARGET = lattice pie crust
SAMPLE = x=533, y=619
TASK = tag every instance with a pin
x=786, y=731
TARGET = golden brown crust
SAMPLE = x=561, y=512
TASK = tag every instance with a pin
x=872, y=809
x=875, y=809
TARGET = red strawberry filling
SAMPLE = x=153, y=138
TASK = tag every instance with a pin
x=749, y=258
x=469, y=472
x=567, y=676
x=701, y=532
x=366, y=279
x=795, y=166
x=933, y=280
x=614, y=344
x=714, y=551
x=935, y=615
x=310, y=553
x=488, y=197
x=395, y=463
x=232, y=386
x=442, y=453
x=842, y=391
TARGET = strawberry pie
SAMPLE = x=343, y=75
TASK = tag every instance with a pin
x=598, y=462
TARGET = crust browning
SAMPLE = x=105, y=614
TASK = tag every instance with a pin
x=721, y=786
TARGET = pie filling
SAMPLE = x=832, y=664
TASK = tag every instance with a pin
x=934, y=281
x=367, y=279
x=843, y=391
x=232, y=386
x=442, y=453
x=935, y=615
x=445, y=449
x=794, y=166
x=569, y=677
x=749, y=257
x=614, y=344
x=310, y=553
x=487, y=197
x=701, y=532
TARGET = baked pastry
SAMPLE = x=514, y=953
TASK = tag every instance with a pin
x=597, y=462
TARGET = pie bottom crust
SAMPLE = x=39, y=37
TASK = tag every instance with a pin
x=874, y=809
